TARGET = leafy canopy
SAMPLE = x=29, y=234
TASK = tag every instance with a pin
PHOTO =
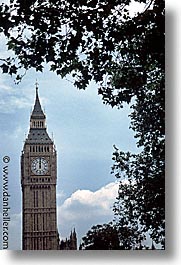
x=88, y=39
x=101, y=237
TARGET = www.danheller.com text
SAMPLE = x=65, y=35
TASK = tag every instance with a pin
x=5, y=202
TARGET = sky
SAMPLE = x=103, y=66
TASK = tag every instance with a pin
x=84, y=131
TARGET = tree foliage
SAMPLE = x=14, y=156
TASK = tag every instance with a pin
x=141, y=199
x=101, y=237
x=99, y=40
x=90, y=40
x=112, y=237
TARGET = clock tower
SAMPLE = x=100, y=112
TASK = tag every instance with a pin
x=38, y=182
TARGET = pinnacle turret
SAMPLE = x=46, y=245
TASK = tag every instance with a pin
x=38, y=118
x=37, y=112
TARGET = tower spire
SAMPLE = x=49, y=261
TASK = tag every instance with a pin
x=37, y=112
x=37, y=119
x=36, y=86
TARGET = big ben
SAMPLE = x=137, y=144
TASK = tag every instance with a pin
x=38, y=182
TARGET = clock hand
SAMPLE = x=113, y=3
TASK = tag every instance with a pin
x=40, y=163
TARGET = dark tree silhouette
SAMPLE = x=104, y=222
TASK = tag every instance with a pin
x=101, y=237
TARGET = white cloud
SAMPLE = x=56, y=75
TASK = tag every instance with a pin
x=85, y=208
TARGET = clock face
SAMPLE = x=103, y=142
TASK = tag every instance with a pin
x=39, y=166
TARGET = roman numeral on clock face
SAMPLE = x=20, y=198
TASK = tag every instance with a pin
x=39, y=166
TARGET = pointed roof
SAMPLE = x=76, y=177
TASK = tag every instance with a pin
x=37, y=112
x=74, y=233
x=38, y=136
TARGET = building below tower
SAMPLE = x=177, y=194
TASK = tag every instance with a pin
x=69, y=244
